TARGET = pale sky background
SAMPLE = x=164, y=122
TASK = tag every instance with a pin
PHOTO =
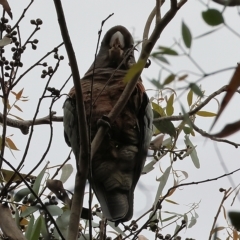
x=212, y=53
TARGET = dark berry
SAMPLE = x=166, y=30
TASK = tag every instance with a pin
x=39, y=21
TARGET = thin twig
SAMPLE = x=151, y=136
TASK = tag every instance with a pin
x=205, y=134
x=89, y=130
x=225, y=196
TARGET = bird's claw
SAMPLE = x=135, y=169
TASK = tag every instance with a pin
x=104, y=121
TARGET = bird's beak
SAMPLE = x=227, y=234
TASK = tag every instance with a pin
x=116, y=46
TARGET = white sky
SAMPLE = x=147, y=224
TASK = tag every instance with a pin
x=213, y=52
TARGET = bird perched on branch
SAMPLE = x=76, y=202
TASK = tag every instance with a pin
x=118, y=163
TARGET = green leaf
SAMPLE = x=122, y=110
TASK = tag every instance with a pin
x=160, y=57
x=21, y=194
x=67, y=170
x=169, y=79
x=149, y=167
x=190, y=97
x=36, y=229
x=169, y=218
x=158, y=110
x=193, y=152
x=167, y=51
x=29, y=228
x=163, y=180
x=213, y=17
x=207, y=33
x=206, y=114
x=156, y=83
x=170, y=108
x=54, y=210
x=138, y=67
x=193, y=221
x=44, y=230
x=186, y=34
x=196, y=89
x=187, y=130
x=37, y=183
x=165, y=126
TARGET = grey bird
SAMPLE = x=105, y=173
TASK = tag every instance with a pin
x=118, y=163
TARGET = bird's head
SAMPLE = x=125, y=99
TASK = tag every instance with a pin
x=117, y=48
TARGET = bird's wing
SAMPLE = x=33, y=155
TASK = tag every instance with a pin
x=117, y=164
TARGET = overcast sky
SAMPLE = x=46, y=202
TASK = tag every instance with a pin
x=212, y=53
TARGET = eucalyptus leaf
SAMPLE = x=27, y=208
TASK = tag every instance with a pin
x=162, y=182
x=213, y=17
x=186, y=34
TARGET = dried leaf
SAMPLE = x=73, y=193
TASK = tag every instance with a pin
x=15, y=117
x=57, y=188
x=7, y=174
x=235, y=235
x=232, y=87
x=6, y=7
x=19, y=94
x=183, y=77
x=141, y=237
x=11, y=145
x=17, y=107
x=170, y=201
x=229, y=129
x=216, y=229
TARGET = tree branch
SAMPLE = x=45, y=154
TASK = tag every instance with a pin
x=82, y=162
x=195, y=110
x=205, y=134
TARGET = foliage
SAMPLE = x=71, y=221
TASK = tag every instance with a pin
x=40, y=205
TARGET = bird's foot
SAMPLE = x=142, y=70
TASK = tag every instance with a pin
x=104, y=121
